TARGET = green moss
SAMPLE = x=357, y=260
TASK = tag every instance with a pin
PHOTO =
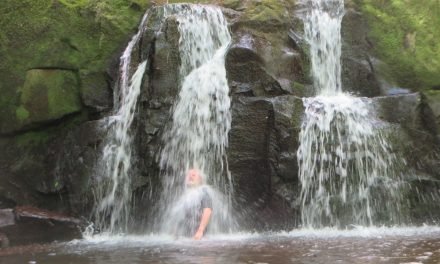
x=21, y=113
x=406, y=34
x=32, y=138
x=64, y=34
x=267, y=11
x=48, y=95
x=233, y=4
x=74, y=3
x=298, y=89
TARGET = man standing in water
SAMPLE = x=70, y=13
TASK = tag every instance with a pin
x=197, y=219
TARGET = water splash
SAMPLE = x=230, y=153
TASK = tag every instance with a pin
x=198, y=135
x=348, y=171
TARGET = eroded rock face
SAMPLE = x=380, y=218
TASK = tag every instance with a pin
x=262, y=160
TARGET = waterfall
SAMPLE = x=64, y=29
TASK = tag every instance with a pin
x=347, y=170
x=198, y=135
x=113, y=193
x=322, y=30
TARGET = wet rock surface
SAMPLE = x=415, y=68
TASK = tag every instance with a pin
x=29, y=225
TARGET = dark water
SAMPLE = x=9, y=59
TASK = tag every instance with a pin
x=372, y=245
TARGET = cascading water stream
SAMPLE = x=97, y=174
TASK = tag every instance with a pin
x=113, y=194
x=198, y=135
x=347, y=170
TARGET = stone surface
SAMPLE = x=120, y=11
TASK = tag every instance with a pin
x=433, y=100
x=358, y=71
x=262, y=160
x=6, y=217
x=46, y=95
x=78, y=161
x=95, y=91
x=33, y=225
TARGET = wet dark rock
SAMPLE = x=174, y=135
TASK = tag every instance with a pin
x=33, y=225
x=433, y=100
x=262, y=157
x=358, y=72
x=247, y=76
x=29, y=170
x=95, y=91
x=6, y=217
x=78, y=162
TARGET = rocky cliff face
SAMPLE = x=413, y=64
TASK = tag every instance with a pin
x=59, y=72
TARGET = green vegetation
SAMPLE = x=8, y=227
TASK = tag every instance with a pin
x=79, y=35
x=48, y=95
x=22, y=114
x=406, y=35
x=32, y=139
x=267, y=11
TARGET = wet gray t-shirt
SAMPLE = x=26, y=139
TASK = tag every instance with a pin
x=193, y=213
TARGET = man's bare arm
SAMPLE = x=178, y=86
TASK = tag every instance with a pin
x=206, y=216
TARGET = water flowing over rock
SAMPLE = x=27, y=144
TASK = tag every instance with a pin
x=347, y=171
x=322, y=30
x=201, y=120
x=113, y=193
x=346, y=166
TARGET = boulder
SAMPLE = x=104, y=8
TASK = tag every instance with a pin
x=32, y=225
x=47, y=95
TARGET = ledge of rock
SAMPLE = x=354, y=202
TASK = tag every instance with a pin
x=28, y=225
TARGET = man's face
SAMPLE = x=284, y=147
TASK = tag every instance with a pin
x=193, y=178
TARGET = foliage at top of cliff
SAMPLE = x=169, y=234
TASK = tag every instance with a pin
x=406, y=36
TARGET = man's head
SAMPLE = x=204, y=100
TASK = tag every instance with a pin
x=193, y=178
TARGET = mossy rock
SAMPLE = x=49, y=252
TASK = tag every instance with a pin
x=405, y=36
x=78, y=35
x=47, y=95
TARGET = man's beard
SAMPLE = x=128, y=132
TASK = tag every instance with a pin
x=192, y=185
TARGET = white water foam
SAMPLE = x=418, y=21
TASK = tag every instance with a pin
x=110, y=240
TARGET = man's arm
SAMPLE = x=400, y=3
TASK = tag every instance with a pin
x=206, y=216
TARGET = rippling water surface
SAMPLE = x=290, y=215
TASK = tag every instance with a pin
x=360, y=245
